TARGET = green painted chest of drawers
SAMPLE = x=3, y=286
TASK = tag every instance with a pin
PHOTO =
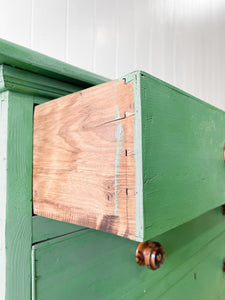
x=44, y=259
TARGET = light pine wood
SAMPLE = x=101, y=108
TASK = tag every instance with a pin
x=83, y=159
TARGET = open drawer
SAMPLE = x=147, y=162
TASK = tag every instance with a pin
x=135, y=157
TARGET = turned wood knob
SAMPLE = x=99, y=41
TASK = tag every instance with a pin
x=150, y=254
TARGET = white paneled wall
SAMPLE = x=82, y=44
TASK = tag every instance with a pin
x=179, y=41
x=49, y=27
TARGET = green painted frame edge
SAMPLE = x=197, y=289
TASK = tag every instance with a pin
x=3, y=187
x=33, y=274
x=18, y=230
x=29, y=60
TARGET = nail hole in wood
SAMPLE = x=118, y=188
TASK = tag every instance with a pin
x=127, y=191
x=125, y=152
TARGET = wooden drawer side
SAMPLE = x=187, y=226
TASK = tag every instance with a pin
x=83, y=161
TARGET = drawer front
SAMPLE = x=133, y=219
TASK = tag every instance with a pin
x=91, y=264
x=134, y=157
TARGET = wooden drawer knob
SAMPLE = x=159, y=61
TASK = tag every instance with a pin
x=150, y=254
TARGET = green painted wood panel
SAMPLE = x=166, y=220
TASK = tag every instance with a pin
x=97, y=265
x=179, y=145
x=3, y=187
x=183, y=165
x=18, y=224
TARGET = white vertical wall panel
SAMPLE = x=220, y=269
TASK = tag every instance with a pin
x=49, y=27
x=80, y=33
x=179, y=41
x=15, y=21
x=125, y=38
x=104, y=54
x=142, y=31
x=187, y=46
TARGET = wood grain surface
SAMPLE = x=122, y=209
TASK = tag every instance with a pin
x=83, y=159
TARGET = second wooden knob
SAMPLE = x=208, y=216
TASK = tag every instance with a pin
x=150, y=254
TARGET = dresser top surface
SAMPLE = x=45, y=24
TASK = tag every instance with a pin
x=29, y=60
